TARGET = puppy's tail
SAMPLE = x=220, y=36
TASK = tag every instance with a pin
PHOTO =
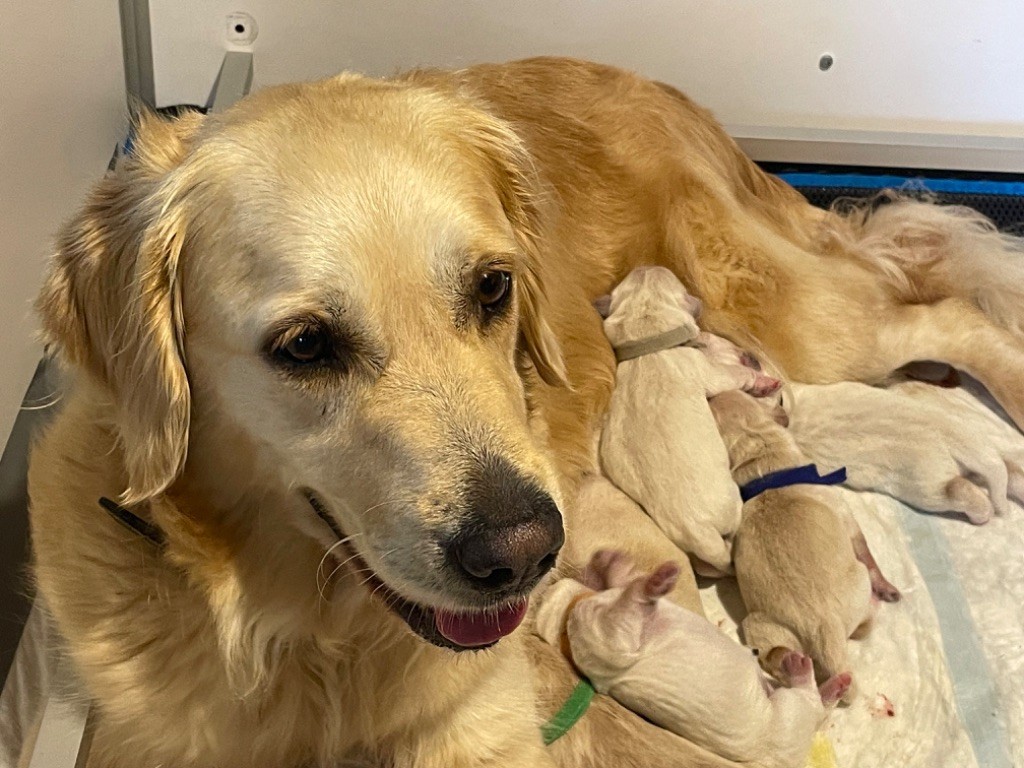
x=928, y=252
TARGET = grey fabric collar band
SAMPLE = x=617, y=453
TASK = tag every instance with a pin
x=677, y=337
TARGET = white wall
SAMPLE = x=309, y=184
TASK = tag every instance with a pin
x=948, y=73
x=61, y=113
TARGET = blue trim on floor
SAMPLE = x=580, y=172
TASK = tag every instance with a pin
x=863, y=181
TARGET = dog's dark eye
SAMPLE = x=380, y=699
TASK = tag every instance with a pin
x=493, y=289
x=309, y=346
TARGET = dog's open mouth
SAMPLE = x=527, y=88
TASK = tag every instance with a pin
x=455, y=630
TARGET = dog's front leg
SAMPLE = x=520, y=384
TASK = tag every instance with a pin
x=956, y=332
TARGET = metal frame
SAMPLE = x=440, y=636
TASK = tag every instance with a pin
x=137, y=51
x=233, y=81
x=990, y=154
x=64, y=734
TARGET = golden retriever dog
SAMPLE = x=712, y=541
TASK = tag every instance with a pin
x=336, y=345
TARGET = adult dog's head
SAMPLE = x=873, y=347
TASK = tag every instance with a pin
x=330, y=294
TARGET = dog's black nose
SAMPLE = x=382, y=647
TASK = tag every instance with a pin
x=511, y=534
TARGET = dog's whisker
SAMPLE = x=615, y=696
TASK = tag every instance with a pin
x=42, y=406
x=323, y=560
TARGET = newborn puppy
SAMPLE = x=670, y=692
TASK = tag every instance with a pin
x=927, y=446
x=795, y=566
x=660, y=444
x=678, y=670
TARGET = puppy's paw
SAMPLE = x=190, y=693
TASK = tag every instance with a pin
x=835, y=688
x=662, y=580
x=797, y=669
x=609, y=568
x=980, y=517
x=883, y=589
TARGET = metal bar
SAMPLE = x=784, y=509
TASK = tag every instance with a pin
x=233, y=80
x=892, y=149
x=65, y=736
x=137, y=51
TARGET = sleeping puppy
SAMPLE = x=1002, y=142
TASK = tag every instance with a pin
x=921, y=444
x=660, y=444
x=678, y=670
x=796, y=569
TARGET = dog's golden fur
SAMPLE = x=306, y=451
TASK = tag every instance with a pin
x=361, y=206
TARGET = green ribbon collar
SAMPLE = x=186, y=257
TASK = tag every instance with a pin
x=573, y=709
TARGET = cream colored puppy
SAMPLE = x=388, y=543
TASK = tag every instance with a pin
x=678, y=670
x=796, y=569
x=924, y=445
x=660, y=444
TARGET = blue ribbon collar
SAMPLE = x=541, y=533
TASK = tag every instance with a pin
x=805, y=475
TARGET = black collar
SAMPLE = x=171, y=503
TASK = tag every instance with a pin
x=133, y=522
x=154, y=535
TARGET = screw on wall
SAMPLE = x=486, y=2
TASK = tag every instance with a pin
x=825, y=62
x=241, y=29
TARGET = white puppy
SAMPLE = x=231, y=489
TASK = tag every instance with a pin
x=679, y=671
x=660, y=444
x=933, y=448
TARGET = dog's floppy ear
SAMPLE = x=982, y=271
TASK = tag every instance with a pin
x=515, y=181
x=111, y=303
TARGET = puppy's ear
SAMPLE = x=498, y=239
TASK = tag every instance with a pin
x=603, y=305
x=693, y=306
x=780, y=416
x=111, y=303
x=515, y=181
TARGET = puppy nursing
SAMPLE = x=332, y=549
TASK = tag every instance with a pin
x=937, y=449
x=680, y=671
x=801, y=582
x=660, y=444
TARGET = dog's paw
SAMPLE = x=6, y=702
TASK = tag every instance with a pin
x=609, y=568
x=662, y=580
x=835, y=688
x=797, y=669
x=883, y=589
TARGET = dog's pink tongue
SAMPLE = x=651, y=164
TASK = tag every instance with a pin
x=479, y=628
